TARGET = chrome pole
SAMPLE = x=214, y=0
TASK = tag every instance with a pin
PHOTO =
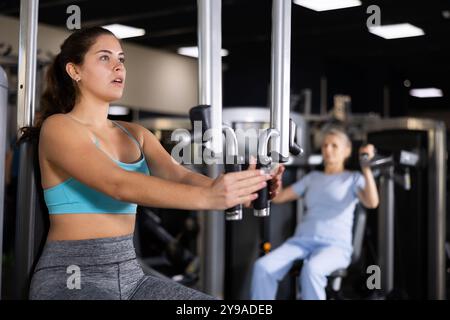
x=386, y=230
x=212, y=234
x=3, y=147
x=25, y=238
x=437, y=212
x=280, y=77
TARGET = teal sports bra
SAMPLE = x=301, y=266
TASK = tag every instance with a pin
x=72, y=196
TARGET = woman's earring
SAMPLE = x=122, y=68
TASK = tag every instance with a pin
x=77, y=79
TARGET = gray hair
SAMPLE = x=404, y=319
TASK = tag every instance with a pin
x=338, y=132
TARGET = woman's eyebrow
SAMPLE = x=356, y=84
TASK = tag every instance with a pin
x=110, y=52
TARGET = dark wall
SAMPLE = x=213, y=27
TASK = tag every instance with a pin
x=246, y=81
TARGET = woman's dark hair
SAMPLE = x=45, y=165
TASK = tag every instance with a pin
x=61, y=91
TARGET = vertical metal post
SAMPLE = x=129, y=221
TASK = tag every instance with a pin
x=24, y=244
x=210, y=65
x=3, y=144
x=280, y=76
x=437, y=212
x=212, y=234
x=27, y=62
x=386, y=230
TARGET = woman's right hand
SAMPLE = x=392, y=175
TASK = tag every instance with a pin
x=231, y=189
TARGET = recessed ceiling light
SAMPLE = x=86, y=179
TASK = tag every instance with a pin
x=193, y=52
x=426, y=93
x=324, y=5
x=395, y=31
x=121, y=31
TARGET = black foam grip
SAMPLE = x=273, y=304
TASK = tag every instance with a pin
x=263, y=195
x=295, y=149
x=201, y=113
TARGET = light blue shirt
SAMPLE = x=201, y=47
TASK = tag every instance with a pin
x=330, y=201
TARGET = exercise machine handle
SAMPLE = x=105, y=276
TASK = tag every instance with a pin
x=203, y=113
x=294, y=148
x=261, y=205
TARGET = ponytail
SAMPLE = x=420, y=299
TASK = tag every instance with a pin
x=61, y=91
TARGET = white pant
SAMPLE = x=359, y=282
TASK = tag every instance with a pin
x=320, y=260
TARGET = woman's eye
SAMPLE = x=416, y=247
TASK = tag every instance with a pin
x=104, y=58
x=122, y=60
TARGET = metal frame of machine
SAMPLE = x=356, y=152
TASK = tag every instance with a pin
x=436, y=154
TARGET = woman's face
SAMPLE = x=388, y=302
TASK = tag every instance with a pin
x=103, y=71
x=335, y=149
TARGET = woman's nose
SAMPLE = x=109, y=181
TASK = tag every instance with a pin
x=118, y=65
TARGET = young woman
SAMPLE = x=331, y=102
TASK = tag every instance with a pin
x=324, y=237
x=95, y=171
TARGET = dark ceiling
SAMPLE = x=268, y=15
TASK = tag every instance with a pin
x=333, y=43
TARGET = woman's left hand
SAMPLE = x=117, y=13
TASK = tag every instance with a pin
x=275, y=182
x=369, y=149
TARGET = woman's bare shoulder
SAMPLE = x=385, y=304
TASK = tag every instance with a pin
x=57, y=120
x=59, y=127
x=135, y=129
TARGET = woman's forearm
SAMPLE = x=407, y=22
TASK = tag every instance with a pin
x=196, y=179
x=152, y=191
x=370, y=190
x=285, y=195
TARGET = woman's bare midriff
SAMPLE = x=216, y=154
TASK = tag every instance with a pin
x=80, y=226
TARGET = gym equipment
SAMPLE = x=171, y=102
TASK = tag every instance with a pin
x=181, y=263
x=413, y=257
x=246, y=241
x=262, y=204
x=210, y=93
x=384, y=168
x=210, y=69
x=203, y=114
x=280, y=134
x=3, y=116
x=30, y=225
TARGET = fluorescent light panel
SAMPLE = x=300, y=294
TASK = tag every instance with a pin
x=315, y=159
x=426, y=93
x=325, y=5
x=395, y=31
x=121, y=31
x=118, y=111
x=193, y=52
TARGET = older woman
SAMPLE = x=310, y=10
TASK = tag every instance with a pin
x=324, y=237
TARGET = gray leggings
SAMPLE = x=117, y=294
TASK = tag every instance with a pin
x=103, y=268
